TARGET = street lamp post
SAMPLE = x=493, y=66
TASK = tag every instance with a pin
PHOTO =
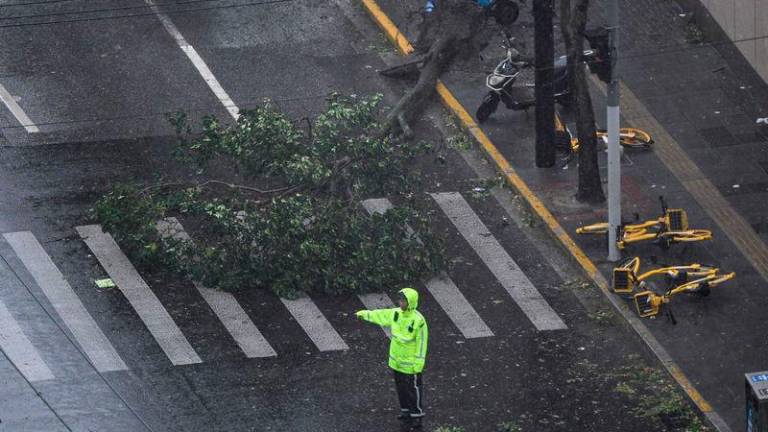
x=614, y=151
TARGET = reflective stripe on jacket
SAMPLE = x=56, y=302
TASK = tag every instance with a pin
x=408, y=347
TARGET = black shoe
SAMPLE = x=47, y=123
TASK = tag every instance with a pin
x=404, y=415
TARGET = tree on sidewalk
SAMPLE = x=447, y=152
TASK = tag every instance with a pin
x=573, y=24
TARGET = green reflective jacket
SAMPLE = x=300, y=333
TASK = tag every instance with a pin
x=408, y=347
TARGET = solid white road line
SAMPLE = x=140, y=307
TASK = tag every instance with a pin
x=499, y=262
x=314, y=323
x=19, y=349
x=224, y=305
x=442, y=288
x=16, y=110
x=197, y=61
x=65, y=302
x=373, y=301
x=143, y=300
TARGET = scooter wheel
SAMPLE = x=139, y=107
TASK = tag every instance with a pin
x=487, y=107
x=505, y=12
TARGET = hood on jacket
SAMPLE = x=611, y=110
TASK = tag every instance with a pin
x=412, y=296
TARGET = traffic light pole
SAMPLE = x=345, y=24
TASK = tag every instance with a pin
x=614, y=150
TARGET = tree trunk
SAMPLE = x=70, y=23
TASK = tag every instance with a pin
x=544, y=44
x=573, y=24
x=439, y=56
x=455, y=28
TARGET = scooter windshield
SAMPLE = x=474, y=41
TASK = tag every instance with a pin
x=507, y=68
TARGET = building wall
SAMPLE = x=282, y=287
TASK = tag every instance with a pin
x=746, y=23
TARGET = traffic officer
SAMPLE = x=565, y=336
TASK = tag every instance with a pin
x=407, y=351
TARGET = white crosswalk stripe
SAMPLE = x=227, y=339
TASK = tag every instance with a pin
x=457, y=307
x=19, y=349
x=315, y=324
x=444, y=290
x=224, y=305
x=373, y=301
x=498, y=261
x=139, y=295
x=66, y=303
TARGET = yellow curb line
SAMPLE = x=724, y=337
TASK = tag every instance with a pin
x=405, y=47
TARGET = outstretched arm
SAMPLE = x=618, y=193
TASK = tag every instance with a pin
x=382, y=317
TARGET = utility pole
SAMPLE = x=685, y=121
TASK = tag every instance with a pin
x=614, y=151
x=544, y=46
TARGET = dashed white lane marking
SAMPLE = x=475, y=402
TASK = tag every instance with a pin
x=224, y=305
x=197, y=61
x=314, y=323
x=142, y=299
x=20, y=350
x=66, y=303
x=444, y=290
x=16, y=110
x=498, y=261
x=378, y=301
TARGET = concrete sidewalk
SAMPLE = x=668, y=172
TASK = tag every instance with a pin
x=700, y=103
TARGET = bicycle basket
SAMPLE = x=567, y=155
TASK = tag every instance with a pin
x=645, y=304
x=677, y=220
x=622, y=280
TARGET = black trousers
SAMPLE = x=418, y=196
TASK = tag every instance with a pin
x=410, y=392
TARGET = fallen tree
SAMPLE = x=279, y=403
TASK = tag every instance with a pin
x=276, y=204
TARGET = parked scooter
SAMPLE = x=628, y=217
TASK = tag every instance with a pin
x=501, y=83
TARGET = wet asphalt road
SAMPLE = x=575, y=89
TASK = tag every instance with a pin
x=98, y=84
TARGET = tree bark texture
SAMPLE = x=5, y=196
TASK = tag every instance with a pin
x=544, y=45
x=455, y=28
x=438, y=58
x=573, y=23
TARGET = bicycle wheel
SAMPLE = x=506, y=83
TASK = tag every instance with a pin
x=634, y=138
x=691, y=236
x=631, y=137
x=598, y=228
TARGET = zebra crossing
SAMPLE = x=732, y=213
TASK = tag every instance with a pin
x=442, y=288
x=498, y=261
x=20, y=348
x=139, y=295
x=224, y=305
x=64, y=300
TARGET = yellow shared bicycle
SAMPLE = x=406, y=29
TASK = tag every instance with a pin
x=696, y=279
x=671, y=227
x=628, y=137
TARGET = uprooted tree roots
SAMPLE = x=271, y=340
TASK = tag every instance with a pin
x=456, y=29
